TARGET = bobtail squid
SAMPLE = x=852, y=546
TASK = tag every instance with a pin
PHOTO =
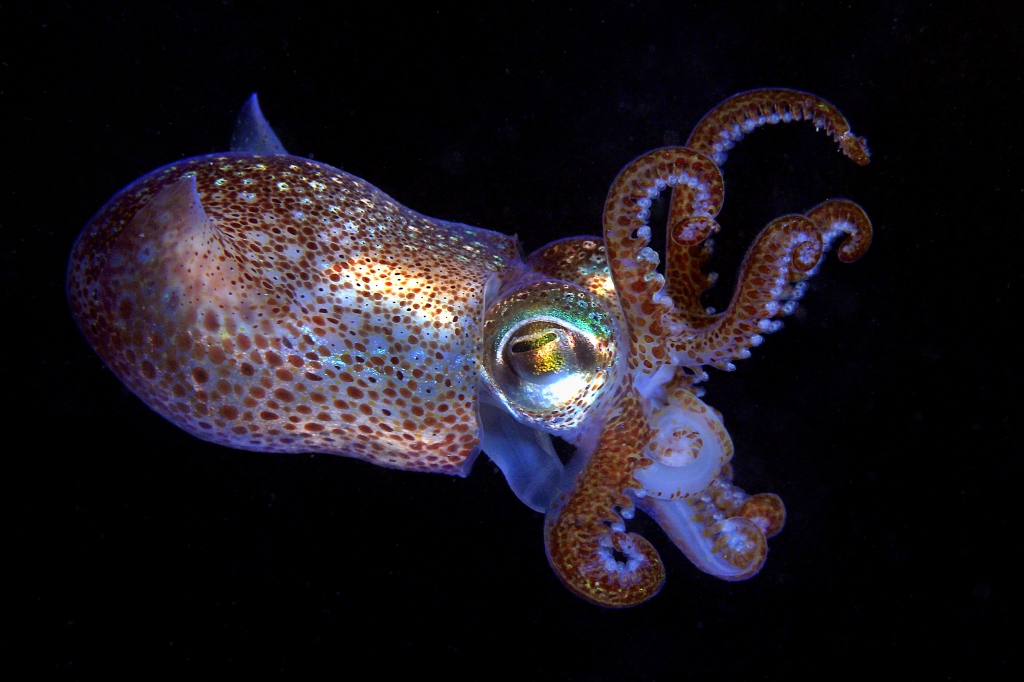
x=273, y=303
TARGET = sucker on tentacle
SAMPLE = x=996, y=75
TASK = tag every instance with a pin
x=841, y=215
x=789, y=246
x=688, y=248
x=687, y=241
x=633, y=264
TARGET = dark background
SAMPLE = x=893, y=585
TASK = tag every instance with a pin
x=886, y=414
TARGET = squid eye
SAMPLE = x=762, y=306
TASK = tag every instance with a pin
x=549, y=353
x=545, y=353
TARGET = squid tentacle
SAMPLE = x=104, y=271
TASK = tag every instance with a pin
x=786, y=250
x=688, y=245
x=771, y=281
x=687, y=248
x=766, y=510
x=726, y=124
x=583, y=532
x=633, y=264
x=723, y=531
x=844, y=216
x=729, y=548
x=833, y=218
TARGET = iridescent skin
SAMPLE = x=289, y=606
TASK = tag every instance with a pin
x=273, y=303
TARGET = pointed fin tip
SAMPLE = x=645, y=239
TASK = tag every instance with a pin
x=252, y=132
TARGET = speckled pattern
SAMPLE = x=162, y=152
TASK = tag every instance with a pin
x=726, y=530
x=583, y=530
x=680, y=395
x=642, y=293
x=272, y=303
x=727, y=123
x=582, y=261
x=305, y=312
x=788, y=251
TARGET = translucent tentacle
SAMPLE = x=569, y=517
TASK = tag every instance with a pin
x=766, y=510
x=689, y=446
x=725, y=125
x=727, y=547
x=718, y=526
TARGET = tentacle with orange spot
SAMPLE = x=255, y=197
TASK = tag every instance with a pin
x=770, y=282
x=584, y=533
x=837, y=216
x=713, y=532
x=787, y=250
x=633, y=263
x=728, y=122
x=584, y=529
x=688, y=245
x=723, y=530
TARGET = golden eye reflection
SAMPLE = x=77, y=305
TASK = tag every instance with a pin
x=542, y=356
x=534, y=343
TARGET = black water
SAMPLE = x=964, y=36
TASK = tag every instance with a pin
x=886, y=414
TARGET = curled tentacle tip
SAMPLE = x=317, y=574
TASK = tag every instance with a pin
x=856, y=148
x=767, y=511
x=843, y=215
x=859, y=233
x=850, y=250
x=807, y=255
x=693, y=231
x=739, y=547
x=618, y=570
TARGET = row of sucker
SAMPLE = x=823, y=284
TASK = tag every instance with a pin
x=665, y=314
x=771, y=281
x=842, y=216
x=689, y=244
x=789, y=247
x=633, y=264
x=726, y=530
x=688, y=247
x=726, y=124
